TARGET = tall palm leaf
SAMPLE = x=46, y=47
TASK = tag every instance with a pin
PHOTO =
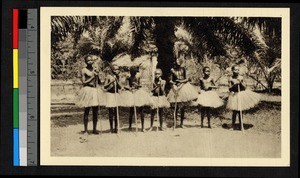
x=268, y=59
x=212, y=34
x=271, y=26
x=142, y=30
x=76, y=25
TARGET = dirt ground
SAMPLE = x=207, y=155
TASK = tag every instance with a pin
x=261, y=138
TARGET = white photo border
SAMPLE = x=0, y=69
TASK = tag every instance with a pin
x=45, y=86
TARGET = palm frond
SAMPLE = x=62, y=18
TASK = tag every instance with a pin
x=270, y=25
x=114, y=25
x=205, y=41
x=213, y=34
x=140, y=27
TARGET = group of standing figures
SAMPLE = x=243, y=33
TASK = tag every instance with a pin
x=182, y=93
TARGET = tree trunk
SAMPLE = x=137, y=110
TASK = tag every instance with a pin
x=165, y=38
x=270, y=84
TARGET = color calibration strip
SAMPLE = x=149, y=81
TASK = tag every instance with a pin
x=16, y=158
x=25, y=87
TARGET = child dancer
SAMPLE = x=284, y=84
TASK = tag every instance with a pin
x=182, y=91
x=112, y=87
x=208, y=99
x=88, y=95
x=138, y=97
x=159, y=99
x=239, y=99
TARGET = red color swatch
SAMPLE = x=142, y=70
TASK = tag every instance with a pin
x=15, y=28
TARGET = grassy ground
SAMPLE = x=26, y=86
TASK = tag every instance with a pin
x=261, y=139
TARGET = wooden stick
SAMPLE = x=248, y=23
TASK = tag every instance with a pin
x=241, y=113
x=175, y=111
x=117, y=105
x=134, y=108
x=157, y=111
x=99, y=120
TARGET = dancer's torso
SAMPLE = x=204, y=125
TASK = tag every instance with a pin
x=88, y=74
x=158, y=91
x=113, y=87
x=206, y=83
x=236, y=85
x=133, y=82
x=178, y=74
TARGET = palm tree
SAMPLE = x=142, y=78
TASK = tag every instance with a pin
x=210, y=36
x=267, y=61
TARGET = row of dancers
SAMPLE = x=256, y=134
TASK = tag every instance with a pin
x=114, y=95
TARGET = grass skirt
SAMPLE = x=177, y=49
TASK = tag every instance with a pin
x=101, y=97
x=243, y=100
x=136, y=98
x=126, y=98
x=209, y=99
x=141, y=98
x=185, y=94
x=112, y=100
x=160, y=102
x=87, y=97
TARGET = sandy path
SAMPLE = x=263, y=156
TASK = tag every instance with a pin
x=190, y=142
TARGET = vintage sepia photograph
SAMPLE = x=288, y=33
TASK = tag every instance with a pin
x=164, y=86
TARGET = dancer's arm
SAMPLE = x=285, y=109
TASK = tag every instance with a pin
x=213, y=84
x=118, y=84
x=96, y=73
x=84, y=80
x=202, y=86
x=231, y=85
x=163, y=86
x=185, y=80
x=127, y=87
x=154, y=87
x=138, y=83
x=108, y=82
x=242, y=82
x=172, y=82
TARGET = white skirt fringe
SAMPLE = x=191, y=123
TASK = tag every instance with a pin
x=243, y=100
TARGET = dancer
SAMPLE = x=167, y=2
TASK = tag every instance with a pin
x=112, y=87
x=88, y=96
x=240, y=98
x=182, y=91
x=138, y=98
x=208, y=98
x=159, y=99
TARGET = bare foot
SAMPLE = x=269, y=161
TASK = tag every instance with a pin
x=84, y=131
x=182, y=126
x=161, y=128
x=96, y=132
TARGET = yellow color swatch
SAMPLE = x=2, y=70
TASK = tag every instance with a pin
x=16, y=68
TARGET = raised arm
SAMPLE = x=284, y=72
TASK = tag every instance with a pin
x=98, y=80
x=107, y=82
x=213, y=84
